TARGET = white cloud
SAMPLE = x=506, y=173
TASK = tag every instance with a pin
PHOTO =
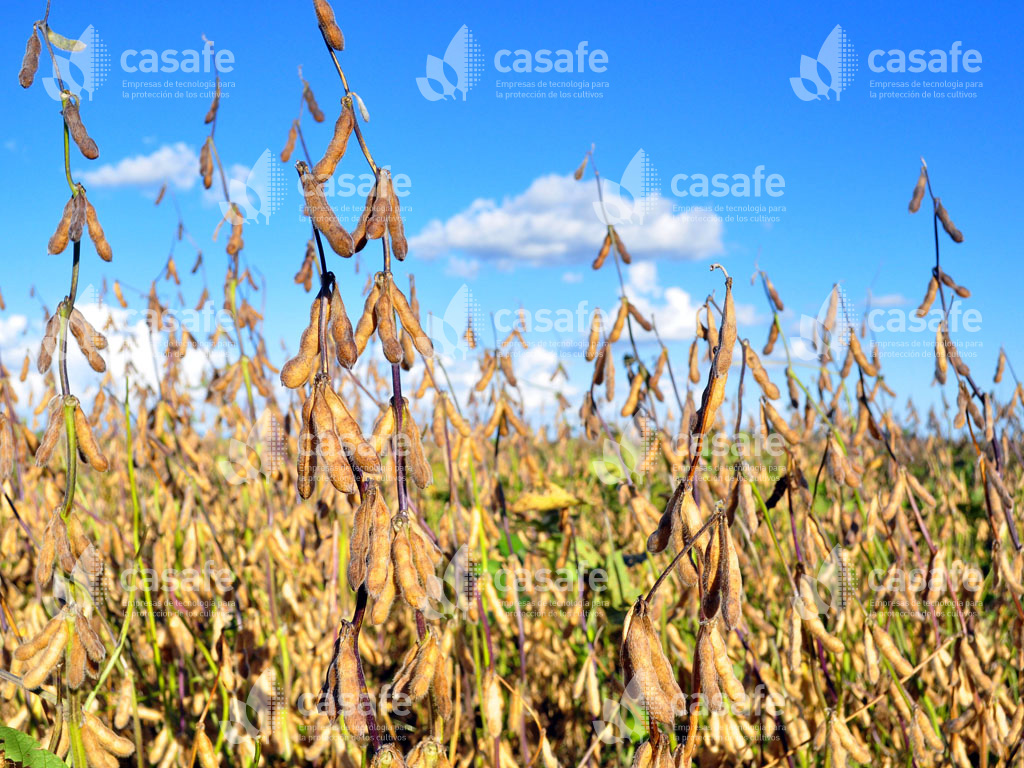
x=572, y=277
x=554, y=222
x=176, y=163
x=671, y=308
x=467, y=269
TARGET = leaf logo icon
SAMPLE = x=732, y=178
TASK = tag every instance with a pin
x=448, y=332
x=84, y=65
x=836, y=61
x=260, y=193
x=634, y=196
x=458, y=71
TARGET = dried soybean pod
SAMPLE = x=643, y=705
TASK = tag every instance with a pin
x=206, y=163
x=919, y=188
x=90, y=640
x=636, y=654
x=204, y=750
x=77, y=225
x=408, y=318
x=1000, y=366
x=87, y=441
x=694, y=362
x=386, y=331
x=359, y=235
x=733, y=687
x=307, y=451
x=405, y=572
x=399, y=245
x=367, y=323
x=328, y=444
x=772, y=293
x=633, y=400
x=53, y=432
x=707, y=673
x=48, y=658
x=507, y=370
x=773, y=335
x=76, y=663
x=352, y=440
x=99, y=239
x=314, y=108
x=866, y=365
x=888, y=649
x=771, y=391
x=578, y=173
x=76, y=127
x=487, y=369
x=380, y=212
x=341, y=331
x=59, y=239
x=422, y=474
x=30, y=648
x=644, y=323
x=662, y=669
x=335, y=151
x=295, y=372
x=602, y=254
x=94, y=753
x=30, y=61
x=49, y=343
x=620, y=322
x=940, y=357
x=378, y=557
x=460, y=424
x=779, y=424
x=235, y=242
x=382, y=603
x=359, y=542
x=620, y=247
x=595, y=332
x=322, y=214
x=289, y=145
x=328, y=26
x=110, y=741
x=211, y=113
x=947, y=223
x=929, y=297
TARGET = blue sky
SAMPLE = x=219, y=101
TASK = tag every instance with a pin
x=702, y=90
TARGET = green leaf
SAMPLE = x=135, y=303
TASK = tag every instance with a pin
x=64, y=43
x=23, y=750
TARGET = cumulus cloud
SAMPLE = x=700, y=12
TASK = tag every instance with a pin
x=130, y=348
x=467, y=269
x=554, y=221
x=176, y=164
x=572, y=277
x=672, y=309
